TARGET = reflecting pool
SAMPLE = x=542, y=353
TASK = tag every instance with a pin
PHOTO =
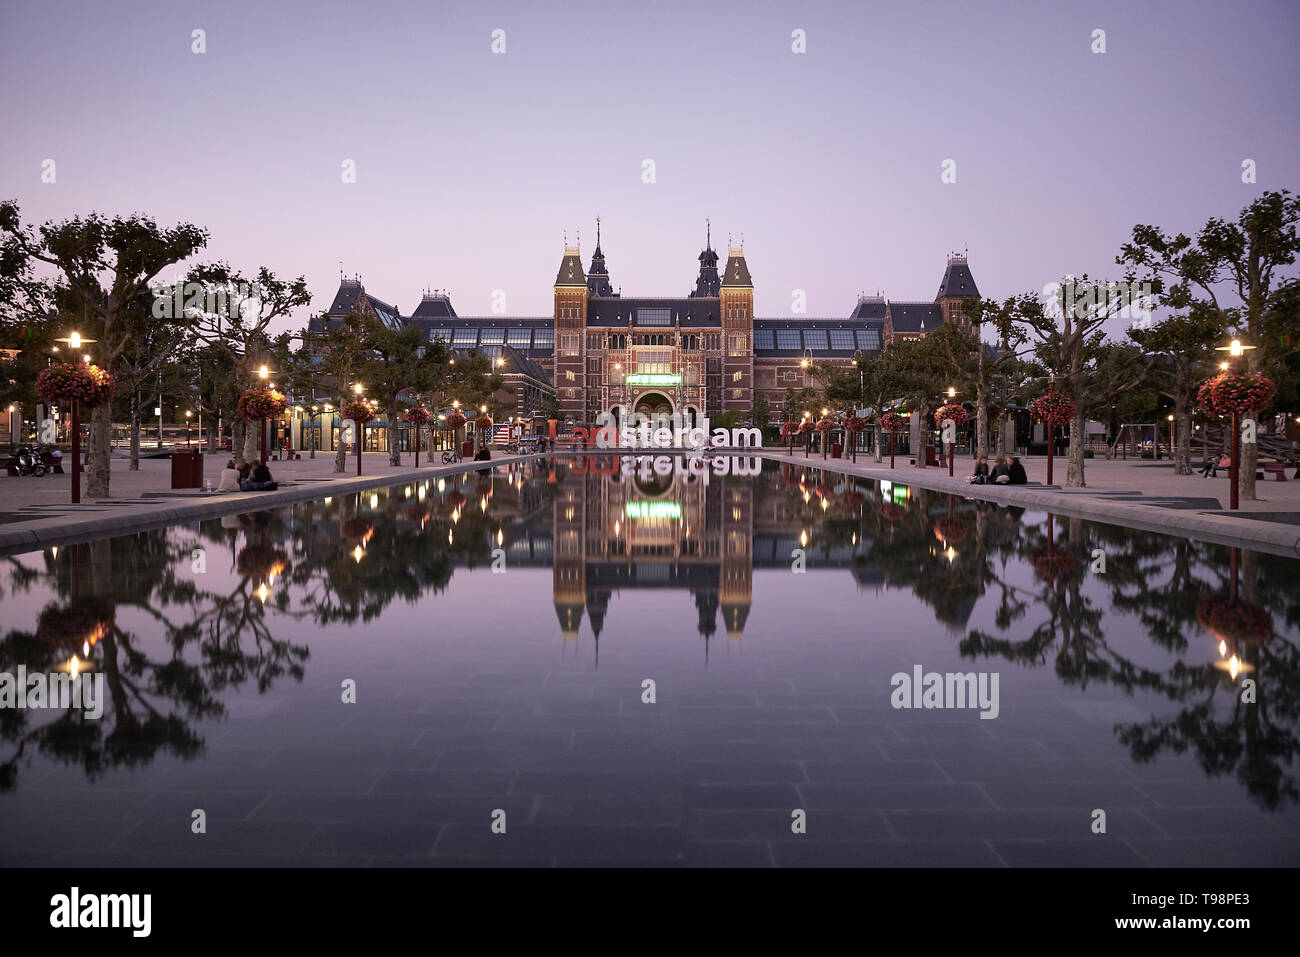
x=658, y=661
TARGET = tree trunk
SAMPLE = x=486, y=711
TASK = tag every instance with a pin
x=1249, y=459
x=1078, y=424
x=1182, y=437
x=981, y=422
x=252, y=442
x=134, y=465
x=341, y=452
x=394, y=450
x=922, y=432
x=237, y=428
x=99, y=451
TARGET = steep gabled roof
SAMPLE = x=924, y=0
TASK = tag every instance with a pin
x=957, y=282
x=915, y=316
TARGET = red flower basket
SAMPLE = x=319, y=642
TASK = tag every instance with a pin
x=806, y=426
x=892, y=422
x=260, y=402
x=84, y=622
x=1235, y=392
x=455, y=420
x=1234, y=621
x=855, y=423
x=358, y=410
x=950, y=412
x=417, y=415
x=1053, y=408
x=75, y=381
x=1053, y=562
x=483, y=422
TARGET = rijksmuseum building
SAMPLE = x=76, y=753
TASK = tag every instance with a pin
x=704, y=352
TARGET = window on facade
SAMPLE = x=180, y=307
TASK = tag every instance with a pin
x=519, y=338
x=788, y=339
x=737, y=393
x=439, y=335
x=494, y=337
x=654, y=317
x=462, y=338
x=543, y=338
x=738, y=377
x=869, y=339
x=654, y=361
x=569, y=376
x=815, y=339
x=570, y=343
x=593, y=341
x=763, y=339
x=841, y=338
x=737, y=347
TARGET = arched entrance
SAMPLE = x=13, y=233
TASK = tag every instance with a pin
x=653, y=403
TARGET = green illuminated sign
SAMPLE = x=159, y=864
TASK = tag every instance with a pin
x=653, y=378
x=653, y=510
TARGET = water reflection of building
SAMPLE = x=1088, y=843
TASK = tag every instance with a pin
x=644, y=530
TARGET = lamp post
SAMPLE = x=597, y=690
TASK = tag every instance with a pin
x=263, y=373
x=188, y=414
x=357, y=390
x=952, y=446
x=75, y=342
x=1236, y=350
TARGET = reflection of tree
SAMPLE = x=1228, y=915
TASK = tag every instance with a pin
x=1159, y=581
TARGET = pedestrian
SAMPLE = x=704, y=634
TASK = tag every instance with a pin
x=229, y=478
x=981, y=474
x=1016, y=472
x=1001, y=473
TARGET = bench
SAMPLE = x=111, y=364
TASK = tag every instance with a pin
x=1277, y=469
x=51, y=463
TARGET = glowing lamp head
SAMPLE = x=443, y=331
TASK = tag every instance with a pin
x=263, y=372
x=1235, y=349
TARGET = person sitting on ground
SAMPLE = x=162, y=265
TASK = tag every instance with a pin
x=229, y=478
x=244, y=470
x=981, y=474
x=1017, y=472
x=1001, y=473
x=259, y=480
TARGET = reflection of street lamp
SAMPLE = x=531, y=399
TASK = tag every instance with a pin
x=75, y=342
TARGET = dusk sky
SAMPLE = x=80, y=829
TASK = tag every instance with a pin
x=471, y=166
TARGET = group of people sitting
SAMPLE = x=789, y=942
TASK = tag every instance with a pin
x=1211, y=467
x=239, y=476
x=1007, y=470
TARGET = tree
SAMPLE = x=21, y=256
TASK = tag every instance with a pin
x=339, y=350
x=394, y=361
x=107, y=266
x=1065, y=332
x=761, y=414
x=236, y=311
x=1244, y=257
x=1184, y=346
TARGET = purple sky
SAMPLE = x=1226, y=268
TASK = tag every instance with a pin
x=470, y=166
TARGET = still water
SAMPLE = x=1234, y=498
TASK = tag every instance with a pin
x=594, y=661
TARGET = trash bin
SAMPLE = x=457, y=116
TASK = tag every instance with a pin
x=187, y=470
x=930, y=458
x=836, y=449
x=467, y=449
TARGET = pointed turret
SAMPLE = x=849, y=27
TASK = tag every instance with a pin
x=708, y=281
x=570, y=273
x=598, y=275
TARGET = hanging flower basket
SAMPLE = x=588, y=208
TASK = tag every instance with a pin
x=950, y=412
x=1238, y=392
x=892, y=422
x=455, y=420
x=1052, y=408
x=1052, y=562
x=825, y=425
x=807, y=426
x=261, y=561
x=357, y=529
x=1234, y=621
x=260, y=402
x=855, y=424
x=788, y=429
x=358, y=410
x=483, y=422
x=1205, y=400
x=417, y=415
x=75, y=381
x=85, y=621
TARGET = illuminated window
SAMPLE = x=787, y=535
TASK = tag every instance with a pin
x=569, y=376
x=543, y=338
x=737, y=345
x=493, y=337
x=464, y=338
x=570, y=343
x=654, y=317
x=738, y=377
x=519, y=338
x=654, y=361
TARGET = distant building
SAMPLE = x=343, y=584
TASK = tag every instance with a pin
x=704, y=353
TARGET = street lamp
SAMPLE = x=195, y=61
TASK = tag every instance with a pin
x=74, y=341
x=1235, y=350
x=952, y=446
x=188, y=414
